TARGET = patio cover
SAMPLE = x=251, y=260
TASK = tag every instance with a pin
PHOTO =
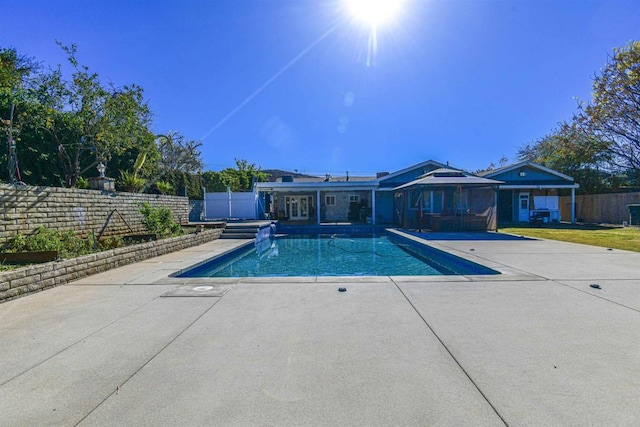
x=479, y=214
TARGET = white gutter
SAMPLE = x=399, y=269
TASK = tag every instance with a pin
x=312, y=186
x=533, y=186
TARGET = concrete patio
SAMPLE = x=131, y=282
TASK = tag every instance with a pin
x=534, y=346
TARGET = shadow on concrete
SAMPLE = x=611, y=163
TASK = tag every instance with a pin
x=480, y=235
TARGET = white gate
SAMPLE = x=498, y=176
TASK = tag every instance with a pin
x=230, y=205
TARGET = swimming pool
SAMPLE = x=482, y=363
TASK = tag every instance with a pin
x=336, y=255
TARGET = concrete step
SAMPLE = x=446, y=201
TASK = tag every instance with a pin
x=238, y=236
x=241, y=230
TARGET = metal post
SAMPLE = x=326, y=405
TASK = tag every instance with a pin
x=318, y=206
x=573, y=206
x=373, y=207
x=204, y=203
x=495, y=205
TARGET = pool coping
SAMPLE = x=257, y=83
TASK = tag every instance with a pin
x=505, y=273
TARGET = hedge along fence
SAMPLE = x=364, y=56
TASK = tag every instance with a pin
x=34, y=278
x=25, y=208
x=600, y=208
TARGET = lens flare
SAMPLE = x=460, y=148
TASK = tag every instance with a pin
x=374, y=12
x=372, y=16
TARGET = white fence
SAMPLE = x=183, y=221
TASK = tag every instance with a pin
x=229, y=205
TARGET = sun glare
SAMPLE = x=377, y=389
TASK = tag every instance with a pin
x=374, y=12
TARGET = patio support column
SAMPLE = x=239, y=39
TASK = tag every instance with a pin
x=204, y=204
x=373, y=207
x=573, y=206
x=318, y=206
x=495, y=204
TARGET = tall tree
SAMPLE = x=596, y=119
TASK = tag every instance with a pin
x=80, y=122
x=16, y=77
x=178, y=153
x=613, y=115
x=179, y=165
x=104, y=121
x=239, y=179
x=572, y=151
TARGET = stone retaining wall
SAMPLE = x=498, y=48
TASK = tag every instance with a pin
x=24, y=208
x=34, y=278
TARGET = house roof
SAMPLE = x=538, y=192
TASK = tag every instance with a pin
x=331, y=178
x=526, y=163
x=275, y=175
x=442, y=175
x=314, y=186
x=410, y=168
x=449, y=177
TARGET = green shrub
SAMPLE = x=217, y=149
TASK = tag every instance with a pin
x=82, y=183
x=44, y=239
x=130, y=182
x=159, y=221
x=164, y=187
x=111, y=242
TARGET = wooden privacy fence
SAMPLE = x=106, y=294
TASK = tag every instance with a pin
x=600, y=208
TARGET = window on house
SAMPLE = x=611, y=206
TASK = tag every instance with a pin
x=354, y=198
x=330, y=200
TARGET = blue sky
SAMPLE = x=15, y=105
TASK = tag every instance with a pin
x=291, y=84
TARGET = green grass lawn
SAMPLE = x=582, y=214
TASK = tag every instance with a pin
x=627, y=238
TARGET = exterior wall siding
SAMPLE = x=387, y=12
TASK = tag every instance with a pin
x=384, y=207
x=532, y=177
x=340, y=211
x=25, y=208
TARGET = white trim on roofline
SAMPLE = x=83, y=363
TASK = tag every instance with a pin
x=534, y=186
x=531, y=164
x=314, y=186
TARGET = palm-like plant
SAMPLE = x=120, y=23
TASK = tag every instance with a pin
x=130, y=181
x=164, y=187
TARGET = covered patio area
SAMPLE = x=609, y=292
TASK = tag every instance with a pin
x=315, y=203
x=447, y=200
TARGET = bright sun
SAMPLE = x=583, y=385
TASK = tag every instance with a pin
x=374, y=12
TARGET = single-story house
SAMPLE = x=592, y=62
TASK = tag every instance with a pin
x=343, y=199
x=428, y=195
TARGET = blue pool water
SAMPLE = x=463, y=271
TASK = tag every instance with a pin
x=325, y=255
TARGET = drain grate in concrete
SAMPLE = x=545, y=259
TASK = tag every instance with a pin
x=197, y=291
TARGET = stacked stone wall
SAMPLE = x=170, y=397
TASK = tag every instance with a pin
x=34, y=278
x=25, y=208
